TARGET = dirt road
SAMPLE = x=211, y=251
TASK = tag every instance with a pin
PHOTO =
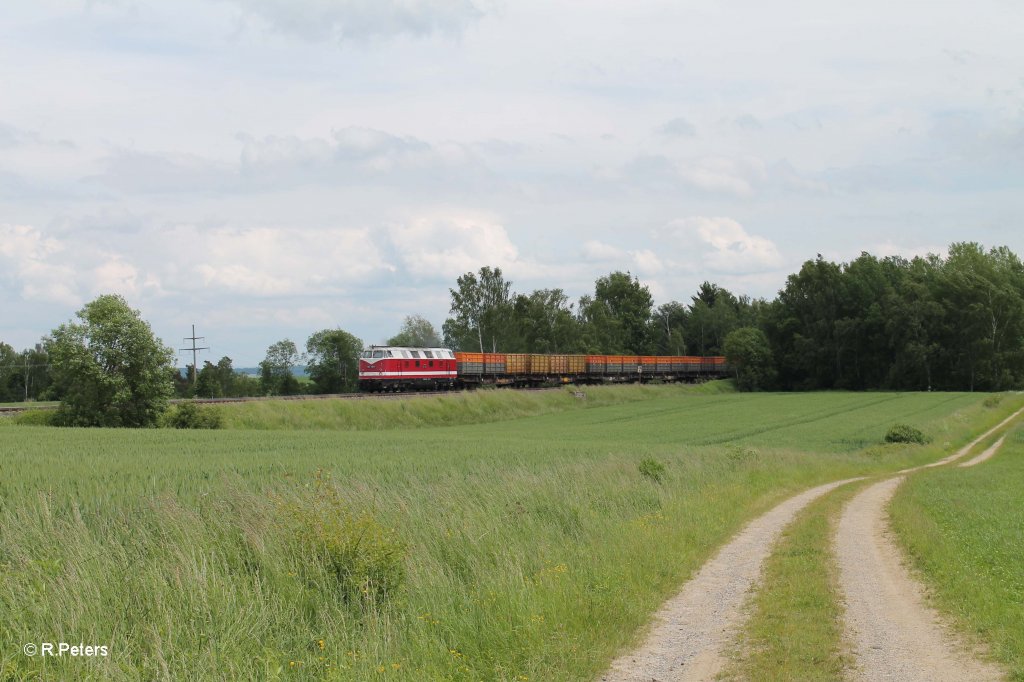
x=893, y=633
x=693, y=628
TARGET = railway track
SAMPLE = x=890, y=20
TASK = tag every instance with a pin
x=326, y=396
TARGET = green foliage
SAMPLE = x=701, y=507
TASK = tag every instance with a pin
x=36, y=418
x=904, y=433
x=276, y=377
x=993, y=400
x=189, y=415
x=416, y=332
x=221, y=381
x=617, y=317
x=750, y=357
x=481, y=310
x=652, y=469
x=954, y=323
x=365, y=558
x=25, y=374
x=333, y=361
x=110, y=368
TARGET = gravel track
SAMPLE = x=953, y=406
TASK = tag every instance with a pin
x=691, y=630
x=892, y=631
x=985, y=455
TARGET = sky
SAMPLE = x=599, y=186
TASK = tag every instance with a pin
x=265, y=169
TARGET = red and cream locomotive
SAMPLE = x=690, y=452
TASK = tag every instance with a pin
x=395, y=368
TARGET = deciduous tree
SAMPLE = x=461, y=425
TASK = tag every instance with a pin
x=111, y=368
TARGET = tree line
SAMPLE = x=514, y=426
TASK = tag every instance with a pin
x=944, y=323
x=927, y=323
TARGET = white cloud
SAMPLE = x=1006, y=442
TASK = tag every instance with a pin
x=727, y=175
x=28, y=256
x=647, y=262
x=447, y=244
x=275, y=261
x=723, y=244
x=596, y=251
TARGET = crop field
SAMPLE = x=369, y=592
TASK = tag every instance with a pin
x=964, y=530
x=382, y=545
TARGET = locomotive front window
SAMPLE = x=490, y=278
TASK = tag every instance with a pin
x=378, y=354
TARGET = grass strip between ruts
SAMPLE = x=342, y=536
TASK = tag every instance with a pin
x=795, y=626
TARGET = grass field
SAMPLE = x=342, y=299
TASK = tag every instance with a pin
x=964, y=530
x=529, y=548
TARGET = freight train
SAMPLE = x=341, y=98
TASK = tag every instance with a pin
x=395, y=368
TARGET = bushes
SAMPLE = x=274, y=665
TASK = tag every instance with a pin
x=904, y=433
x=366, y=559
x=192, y=416
x=652, y=469
x=36, y=418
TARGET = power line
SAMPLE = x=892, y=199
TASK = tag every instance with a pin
x=195, y=350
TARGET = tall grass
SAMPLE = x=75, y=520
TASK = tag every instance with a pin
x=530, y=549
x=468, y=407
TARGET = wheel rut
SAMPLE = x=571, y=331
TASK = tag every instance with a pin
x=893, y=633
x=692, y=630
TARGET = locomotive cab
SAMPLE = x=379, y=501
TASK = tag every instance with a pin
x=400, y=368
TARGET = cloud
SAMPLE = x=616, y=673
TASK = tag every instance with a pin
x=353, y=155
x=360, y=20
x=28, y=256
x=748, y=122
x=273, y=261
x=737, y=176
x=678, y=127
x=596, y=251
x=722, y=244
x=445, y=245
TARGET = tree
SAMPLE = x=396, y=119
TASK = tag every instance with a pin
x=545, y=323
x=750, y=356
x=276, y=375
x=10, y=365
x=617, y=318
x=481, y=312
x=668, y=328
x=216, y=381
x=333, y=362
x=110, y=367
x=417, y=332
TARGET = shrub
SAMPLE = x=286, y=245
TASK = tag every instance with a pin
x=366, y=558
x=652, y=469
x=993, y=400
x=904, y=433
x=36, y=418
x=192, y=416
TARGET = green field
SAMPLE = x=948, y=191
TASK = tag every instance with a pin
x=964, y=530
x=527, y=548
